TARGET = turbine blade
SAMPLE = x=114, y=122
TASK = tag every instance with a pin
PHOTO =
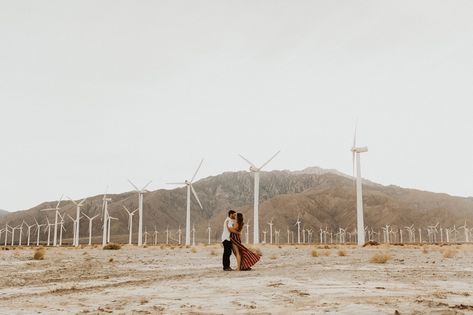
x=59, y=202
x=197, y=170
x=267, y=162
x=82, y=201
x=146, y=185
x=247, y=161
x=195, y=195
x=136, y=188
x=72, y=200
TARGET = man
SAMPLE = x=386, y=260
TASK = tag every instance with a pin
x=227, y=243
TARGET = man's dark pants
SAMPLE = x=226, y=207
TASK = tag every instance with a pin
x=227, y=252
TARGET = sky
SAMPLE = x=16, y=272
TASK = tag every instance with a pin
x=93, y=93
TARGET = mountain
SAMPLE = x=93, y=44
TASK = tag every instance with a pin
x=323, y=198
x=3, y=212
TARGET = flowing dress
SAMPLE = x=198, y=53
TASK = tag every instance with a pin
x=248, y=258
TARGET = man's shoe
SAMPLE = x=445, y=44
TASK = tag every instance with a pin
x=228, y=269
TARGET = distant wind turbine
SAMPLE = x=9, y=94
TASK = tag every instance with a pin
x=140, y=192
x=56, y=213
x=190, y=188
x=356, y=151
x=256, y=171
x=76, y=222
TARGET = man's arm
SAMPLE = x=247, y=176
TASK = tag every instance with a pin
x=232, y=229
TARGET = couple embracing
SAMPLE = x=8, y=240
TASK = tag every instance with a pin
x=231, y=241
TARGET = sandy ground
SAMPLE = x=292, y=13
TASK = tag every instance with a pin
x=288, y=280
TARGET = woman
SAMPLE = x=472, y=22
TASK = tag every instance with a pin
x=245, y=257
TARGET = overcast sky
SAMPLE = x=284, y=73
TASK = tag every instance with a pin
x=95, y=92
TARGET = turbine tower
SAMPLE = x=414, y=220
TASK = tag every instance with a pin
x=356, y=151
x=188, y=212
x=105, y=219
x=55, y=219
x=76, y=222
x=140, y=209
x=256, y=171
x=130, y=222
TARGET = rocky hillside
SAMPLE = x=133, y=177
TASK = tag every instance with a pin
x=323, y=198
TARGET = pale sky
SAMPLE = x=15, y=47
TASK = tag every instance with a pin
x=95, y=92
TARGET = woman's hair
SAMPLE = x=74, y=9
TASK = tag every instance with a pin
x=240, y=221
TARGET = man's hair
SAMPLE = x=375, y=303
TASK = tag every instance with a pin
x=231, y=212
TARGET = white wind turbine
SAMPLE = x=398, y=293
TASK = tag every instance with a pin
x=76, y=222
x=256, y=171
x=188, y=211
x=29, y=233
x=298, y=223
x=49, y=224
x=247, y=225
x=105, y=219
x=193, y=234
x=167, y=235
x=13, y=233
x=209, y=230
x=75, y=233
x=61, y=228
x=38, y=229
x=6, y=232
x=356, y=151
x=56, y=213
x=155, y=236
x=270, y=231
x=90, y=226
x=130, y=222
x=110, y=218
x=140, y=192
x=180, y=235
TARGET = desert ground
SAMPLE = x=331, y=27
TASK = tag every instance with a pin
x=189, y=280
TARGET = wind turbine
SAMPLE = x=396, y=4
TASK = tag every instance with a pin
x=75, y=233
x=209, y=229
x=76, y=222
x=155, y=236
x=167, y=235
x=356, y=151
x=13, y=234
x=21, y=232
x=270, y=231
x=90, y=226
x=105, y=219
x=188, y=212
x=56, y=210
x=130, y=222
x=49, y=230
x=6, y=233
x=256, y=171
x=298, y=223
x=179, y=234
x=61, y=228
x=247, y=225
x=140, y=209
x=29, y=233
x=110, y=218
x=38, y=229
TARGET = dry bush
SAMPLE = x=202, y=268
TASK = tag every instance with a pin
x=110, y=260
x=194, y=250
x=314, y=253
x=257, y=251
x=162, y=247
x=380, y=258
x=112, y=247
x=425, y=250
x=279, y=246
x=326, y=247
x=188, y=246
x=273, y=257
x=39, y=253
x=341, y=253
x=449, y=253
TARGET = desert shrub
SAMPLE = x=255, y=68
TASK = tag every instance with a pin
x=112, y=247
x=194, y=250
x=341, y=253
x=39, y=253
x=449, y=253
x=380, y=258
x=424, y=250
x=257, y=251
x=110, y=260
x=273, y=257
x=314, y=253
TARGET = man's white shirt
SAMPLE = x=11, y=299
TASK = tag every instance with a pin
x=226, y=232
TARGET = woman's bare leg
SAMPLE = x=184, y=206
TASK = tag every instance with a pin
x=236, y=252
